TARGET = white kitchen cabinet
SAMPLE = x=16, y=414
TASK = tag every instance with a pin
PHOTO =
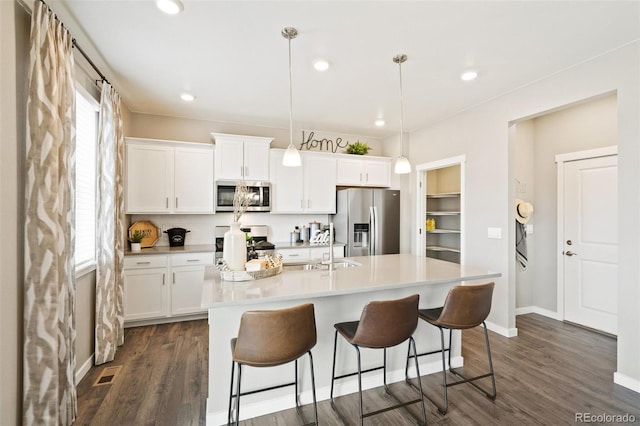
x=169, y=177
x=308, y=254
x=310, y=188
x=242, y=157
x=353, y=171
x=193, y=180
x=149, y=179
x=294, y=255
x=322, y=252
x=145, y=294
x=162, y=288
x=187, y=278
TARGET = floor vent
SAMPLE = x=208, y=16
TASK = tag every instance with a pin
x=108, y=375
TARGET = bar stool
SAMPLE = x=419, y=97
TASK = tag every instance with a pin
x=466, y=306
x=383, y=324
x=272, y=338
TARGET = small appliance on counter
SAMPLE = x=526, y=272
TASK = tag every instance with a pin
x=258, y=233
x=176, y=236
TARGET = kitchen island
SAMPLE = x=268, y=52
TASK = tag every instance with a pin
x=338, y=295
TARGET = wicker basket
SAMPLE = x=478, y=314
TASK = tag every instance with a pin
x=248, y=276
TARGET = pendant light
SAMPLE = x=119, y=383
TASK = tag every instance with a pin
x=291, y=155
x=402, y=163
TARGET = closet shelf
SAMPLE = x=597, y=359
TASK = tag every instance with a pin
x=444, y=231
x=444, y=195
x=440, y=248
x=443, y=213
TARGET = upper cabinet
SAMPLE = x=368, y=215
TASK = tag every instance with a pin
x=310, y=188
x=168, y=177
x=363, y=171
x=241, y=157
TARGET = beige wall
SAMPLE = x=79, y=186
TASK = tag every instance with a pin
x=186, y=129
x=483, y=133
x=14, y=32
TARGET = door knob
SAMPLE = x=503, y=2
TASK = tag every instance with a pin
x=570, y=253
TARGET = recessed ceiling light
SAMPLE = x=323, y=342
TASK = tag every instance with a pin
x=171, y=7
x=321, y=65
x=187, y=97
x=469, y=75
x=379, y=122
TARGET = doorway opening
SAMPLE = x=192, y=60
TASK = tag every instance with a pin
x=537, y=142
x=440, y=216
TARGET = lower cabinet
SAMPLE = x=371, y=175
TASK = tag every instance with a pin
x=309, y=254
x=161, y=288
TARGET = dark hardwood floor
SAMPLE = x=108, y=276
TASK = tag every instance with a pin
x=546, y=375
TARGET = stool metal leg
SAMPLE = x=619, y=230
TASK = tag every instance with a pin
x=491, y=374
x=360, y=386
x=384, y=370
x=444, y=409
x=333, y=368
x=313, y=389
x=412, y=343
x=233, y=364
x=238, y=394
x=295, y=383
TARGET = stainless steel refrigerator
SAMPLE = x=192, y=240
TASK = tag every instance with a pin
x=368, y=221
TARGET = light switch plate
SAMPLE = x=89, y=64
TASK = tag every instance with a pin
x=495, y=233
x=529, y=228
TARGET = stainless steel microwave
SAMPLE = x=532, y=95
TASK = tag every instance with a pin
x=260, y=196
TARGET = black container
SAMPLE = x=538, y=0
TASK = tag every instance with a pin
x=176, y=236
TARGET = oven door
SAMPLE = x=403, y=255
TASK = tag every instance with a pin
x=224, y=198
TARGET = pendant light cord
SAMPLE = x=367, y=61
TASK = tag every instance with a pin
x=290, y=99
x=401, y=113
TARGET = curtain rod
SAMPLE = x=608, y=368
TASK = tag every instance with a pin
x=77, y=46
x=74, y=43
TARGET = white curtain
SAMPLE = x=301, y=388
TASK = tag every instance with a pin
x=49, y=393
x=111, y=229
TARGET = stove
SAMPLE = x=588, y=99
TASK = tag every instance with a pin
x=259, y=234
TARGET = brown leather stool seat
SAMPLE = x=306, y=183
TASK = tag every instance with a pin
x=271, y=338
x=466, y=306
x=383, y=324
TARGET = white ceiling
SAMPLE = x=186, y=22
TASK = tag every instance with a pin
x=231, y=56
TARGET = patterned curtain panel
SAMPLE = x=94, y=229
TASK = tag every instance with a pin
x=49, y=302
x=111, y=232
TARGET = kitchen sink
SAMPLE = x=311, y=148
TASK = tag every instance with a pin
x=340, y=264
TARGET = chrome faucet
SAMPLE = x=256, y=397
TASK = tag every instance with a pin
x=331, y=266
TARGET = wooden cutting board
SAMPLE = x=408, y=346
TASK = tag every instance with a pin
x=151, y=232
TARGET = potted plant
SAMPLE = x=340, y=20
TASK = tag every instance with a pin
x=358, y=148
x=135, y=238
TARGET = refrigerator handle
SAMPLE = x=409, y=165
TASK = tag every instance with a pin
x=372, y=235
x=376, y=231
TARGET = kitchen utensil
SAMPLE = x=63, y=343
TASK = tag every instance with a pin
x=176, y=236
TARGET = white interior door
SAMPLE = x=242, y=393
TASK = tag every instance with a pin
x=591, y=242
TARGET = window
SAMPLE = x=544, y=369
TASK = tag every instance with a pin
x=86, y=144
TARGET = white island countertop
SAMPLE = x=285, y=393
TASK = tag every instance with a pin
x=374, y=273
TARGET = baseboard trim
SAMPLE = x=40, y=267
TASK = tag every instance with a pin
x=506, y=332
x=626, y=381
x=540, y=311
x=84, y=369
x=342, y=387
